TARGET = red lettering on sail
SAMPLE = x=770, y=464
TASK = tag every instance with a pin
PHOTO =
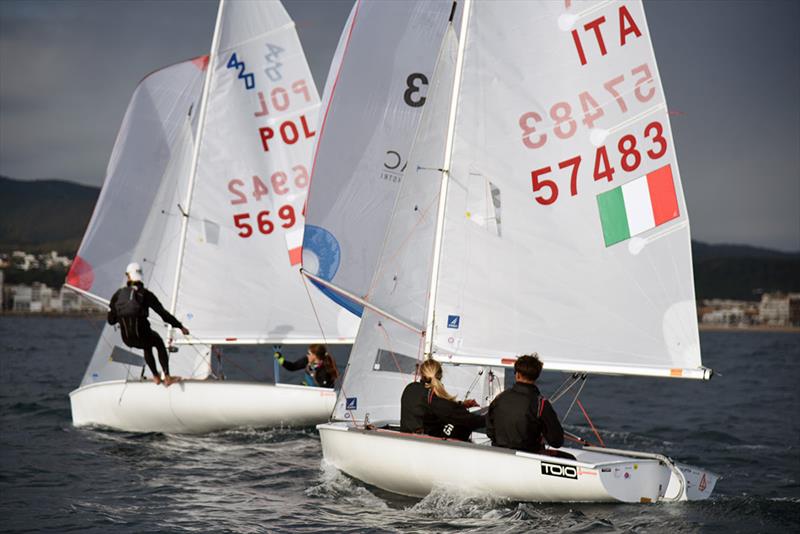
x=627, y=25
x=288, y=130
x=596, y=28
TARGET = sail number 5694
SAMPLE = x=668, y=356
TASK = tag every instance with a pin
x=630, y=157
x=264, y=221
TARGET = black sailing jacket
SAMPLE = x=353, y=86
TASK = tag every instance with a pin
x=136, y=330
x=316, y=375
x=514, y=422
x=422, y=411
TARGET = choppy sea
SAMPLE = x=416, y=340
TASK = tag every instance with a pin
x=743, y=424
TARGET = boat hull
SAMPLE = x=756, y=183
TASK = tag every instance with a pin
x=198, y=406
x=414, y=465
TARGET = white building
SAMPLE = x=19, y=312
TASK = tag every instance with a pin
x=774, y=308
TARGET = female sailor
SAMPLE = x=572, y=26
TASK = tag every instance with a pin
x=427, y=408
x=318, y=363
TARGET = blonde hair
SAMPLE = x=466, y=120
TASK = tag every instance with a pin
x=430, y=373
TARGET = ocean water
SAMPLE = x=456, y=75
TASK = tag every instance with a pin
x=744, y=424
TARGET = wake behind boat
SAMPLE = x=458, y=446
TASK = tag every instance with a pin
x=541, y=209
x=205, y=189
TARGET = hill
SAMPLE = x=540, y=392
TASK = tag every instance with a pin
x=44, y=215
x=49, y=215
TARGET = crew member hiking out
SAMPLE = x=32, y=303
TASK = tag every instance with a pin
x=129, y=307
x=318, y=363
x=520, y=418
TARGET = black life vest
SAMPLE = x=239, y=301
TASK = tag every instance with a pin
x=130, y=310
x=129, y=303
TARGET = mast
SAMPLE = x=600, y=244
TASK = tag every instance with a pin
x=195, y=157
x=451, y=126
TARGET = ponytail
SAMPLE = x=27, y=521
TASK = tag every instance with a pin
x=321, y=352
x=431, y=373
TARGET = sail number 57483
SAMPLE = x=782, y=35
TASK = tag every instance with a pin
x=630, y=154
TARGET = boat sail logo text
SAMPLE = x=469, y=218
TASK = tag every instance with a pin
x=558, y=470
x=393, y=166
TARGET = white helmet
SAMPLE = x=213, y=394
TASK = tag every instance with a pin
x=134, y=272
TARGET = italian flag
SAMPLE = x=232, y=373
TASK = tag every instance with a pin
x=638, y=206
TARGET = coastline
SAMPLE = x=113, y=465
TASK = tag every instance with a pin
x=703, y=327
x=84, y=314
x=709, y=327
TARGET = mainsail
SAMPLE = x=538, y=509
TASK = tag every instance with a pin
x=552, y=144
x=239, y=278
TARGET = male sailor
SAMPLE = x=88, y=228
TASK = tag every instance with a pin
x=129, y=307
x=520, y=418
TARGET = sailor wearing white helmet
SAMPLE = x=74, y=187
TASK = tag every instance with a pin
x=129, y=307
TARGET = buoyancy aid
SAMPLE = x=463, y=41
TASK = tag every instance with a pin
x=130, y=310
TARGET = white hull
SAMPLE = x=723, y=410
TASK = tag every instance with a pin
x=414, y=465
x=197, y=406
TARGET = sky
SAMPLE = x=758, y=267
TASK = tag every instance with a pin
x=730, y=71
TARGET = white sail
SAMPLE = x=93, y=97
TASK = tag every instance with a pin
x=384, y=358
x=482, y=260
x=375, y=93
x=145, y=145
x=157, y=254
x=560, y=133
x=239, y=278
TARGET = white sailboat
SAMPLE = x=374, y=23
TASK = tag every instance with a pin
x=205, y=188
x=541, y=210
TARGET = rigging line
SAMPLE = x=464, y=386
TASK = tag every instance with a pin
x=564, y=387
x=245, y=371
x=313, y=307
x=583, y=383
x=596, y=433
x=474, y=382
x=391, y=351
x=402, y=246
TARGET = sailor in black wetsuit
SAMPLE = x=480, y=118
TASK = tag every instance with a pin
x=520, y=418
x=129, y=307
x=427, y=408
x=319, y=365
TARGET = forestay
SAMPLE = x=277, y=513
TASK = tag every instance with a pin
x=376, y=90
x=565, y=230
x=158, y=112
x=239, y=278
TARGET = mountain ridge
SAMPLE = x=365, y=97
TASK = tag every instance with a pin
x=52, y=214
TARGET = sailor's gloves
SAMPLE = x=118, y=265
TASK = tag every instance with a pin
x=276, y=352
